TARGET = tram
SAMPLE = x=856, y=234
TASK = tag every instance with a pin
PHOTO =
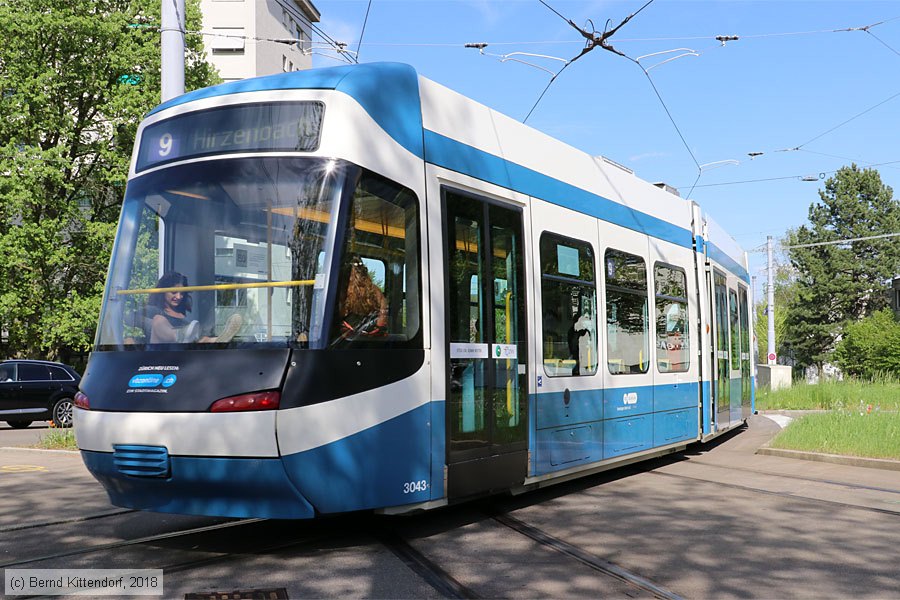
x=354, y=289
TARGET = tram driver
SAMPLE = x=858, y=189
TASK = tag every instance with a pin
x=362, y=306
x=167, y=315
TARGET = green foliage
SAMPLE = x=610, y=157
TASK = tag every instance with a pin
x=58, y=439
x=856, y=432
x=66, y=136
x=871, y=346
x=858, y=418
x=882, y=392
x=840, y=284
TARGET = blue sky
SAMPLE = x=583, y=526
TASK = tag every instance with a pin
x=785, y=83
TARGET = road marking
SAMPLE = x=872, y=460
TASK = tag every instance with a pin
x=22, y=469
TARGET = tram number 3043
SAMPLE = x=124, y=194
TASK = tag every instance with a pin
x=411, y=487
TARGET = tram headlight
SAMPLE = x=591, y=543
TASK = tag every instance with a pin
x=246, y=402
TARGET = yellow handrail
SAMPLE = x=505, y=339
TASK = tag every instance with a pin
x=219, y=286
x=509, y=391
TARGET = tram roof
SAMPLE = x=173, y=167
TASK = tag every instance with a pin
x=390, y=93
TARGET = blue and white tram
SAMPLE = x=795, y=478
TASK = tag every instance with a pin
x=352, y=288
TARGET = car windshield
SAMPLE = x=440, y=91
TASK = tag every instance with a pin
x=224, y=251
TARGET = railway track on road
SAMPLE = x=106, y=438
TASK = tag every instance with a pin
x=759, y=490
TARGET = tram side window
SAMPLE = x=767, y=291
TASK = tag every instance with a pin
x=378, y=279
x=627, y=320
x=672, y=339
x=735, y=331
x=569, y=306
x=144, y=275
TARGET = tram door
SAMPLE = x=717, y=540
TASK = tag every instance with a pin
x=721, y=389
x=734, y=374
x=746, y=355
x=487, y=352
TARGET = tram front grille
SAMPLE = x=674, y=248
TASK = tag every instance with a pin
x=141, y=461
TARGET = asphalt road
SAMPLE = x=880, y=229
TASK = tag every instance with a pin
x=20, y=438
x=714, y=522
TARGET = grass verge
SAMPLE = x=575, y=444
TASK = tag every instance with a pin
x=871, y=435
x=58, y=439
x=882, y=394
x=863, y=417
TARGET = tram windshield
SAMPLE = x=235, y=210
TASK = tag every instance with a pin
x=241, y=251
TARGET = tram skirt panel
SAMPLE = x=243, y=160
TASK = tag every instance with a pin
x=388, y=464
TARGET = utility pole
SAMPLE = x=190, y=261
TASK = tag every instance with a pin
x=172, y=46
x=770, y=309
x=754, y=346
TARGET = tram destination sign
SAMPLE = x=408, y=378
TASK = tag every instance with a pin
x=260, y=127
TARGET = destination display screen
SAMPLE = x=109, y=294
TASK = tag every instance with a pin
x=263, y=127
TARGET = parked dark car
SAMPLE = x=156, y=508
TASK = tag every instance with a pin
x=37, y=390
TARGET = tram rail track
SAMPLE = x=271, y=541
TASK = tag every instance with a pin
x=586, y=558
x=423, y=566
x=417, y=562
x=854, y=486
x=131, y=542
x=68, y=521
x=758, y=490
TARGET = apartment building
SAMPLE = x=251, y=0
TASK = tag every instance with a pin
x=238, y=53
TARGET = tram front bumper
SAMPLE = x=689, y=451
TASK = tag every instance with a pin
x=194, y=485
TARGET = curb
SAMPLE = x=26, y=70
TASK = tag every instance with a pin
x=838, y=459
x=39, y=450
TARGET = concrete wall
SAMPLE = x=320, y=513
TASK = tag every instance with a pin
x=773, y=377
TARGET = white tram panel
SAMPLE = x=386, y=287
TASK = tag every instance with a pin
x=310, y=427
x=552, y=220
x=455, y=116
x=247, y=434
x=726, y=245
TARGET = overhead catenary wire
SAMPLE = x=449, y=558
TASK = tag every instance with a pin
x=313, y=27
x=838, y=242
x=839, y=125
x=821, y=175
x=363, y=30
x=851, y=159
x=634, y=40
x=339, y=47
x=592, y=41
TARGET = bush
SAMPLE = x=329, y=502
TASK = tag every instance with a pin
x=871, y=347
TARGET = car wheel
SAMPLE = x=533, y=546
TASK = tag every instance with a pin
x=18, y=424
x=62, y=412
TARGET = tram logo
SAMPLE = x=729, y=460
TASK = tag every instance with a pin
x=630, y=398
x=151, y=382
x=148, y=380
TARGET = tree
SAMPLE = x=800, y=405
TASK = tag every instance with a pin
x=871, y=347
x=841, y=284
x=77, y=76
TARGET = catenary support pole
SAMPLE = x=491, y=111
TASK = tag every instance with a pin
x=770, y=308
x=172, y=46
